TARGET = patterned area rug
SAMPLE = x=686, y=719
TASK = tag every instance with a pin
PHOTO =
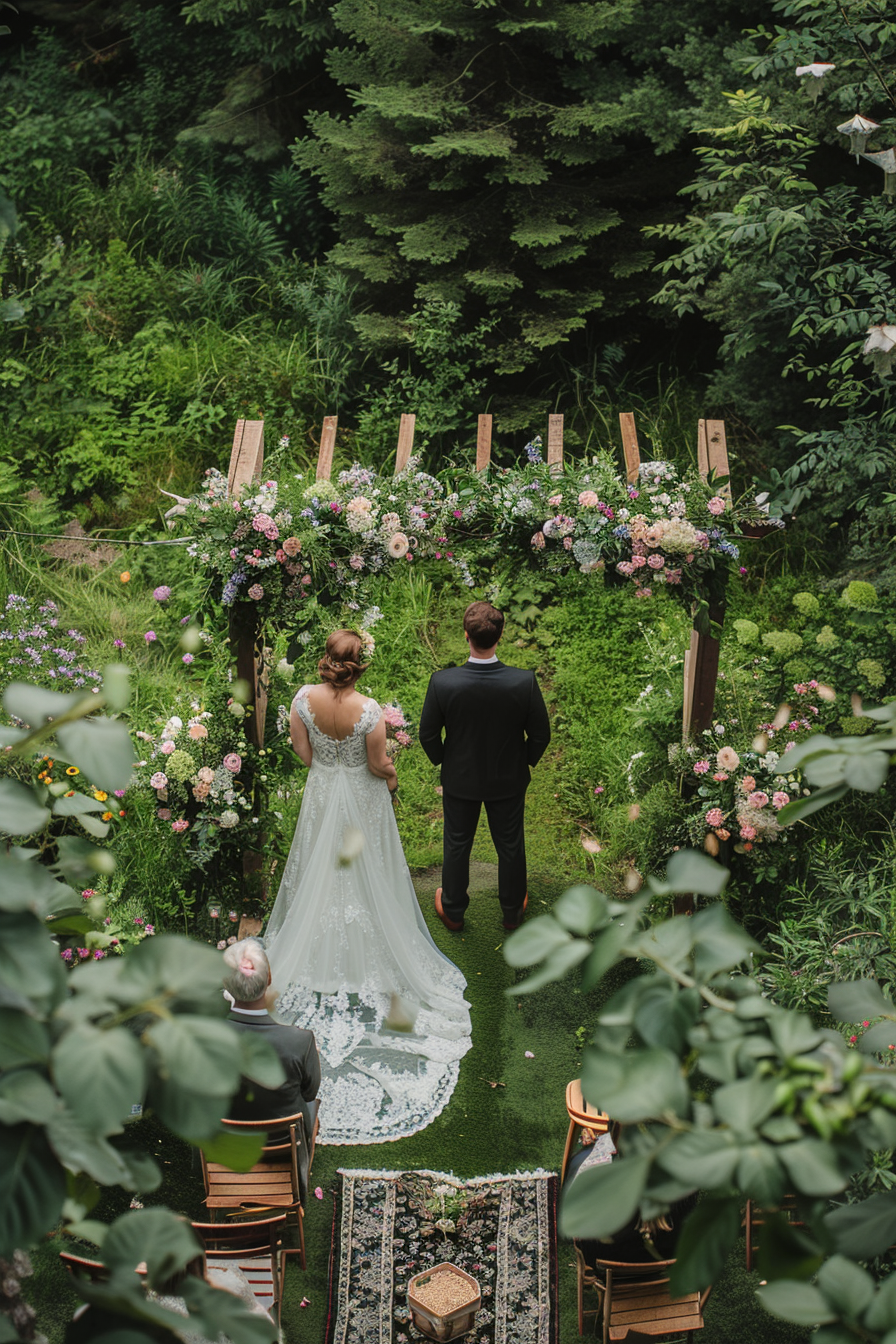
x=389, y=1226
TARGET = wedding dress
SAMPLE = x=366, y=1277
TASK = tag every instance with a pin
x=346, y=935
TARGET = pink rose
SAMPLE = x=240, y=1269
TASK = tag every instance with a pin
x=159, y=780
x=233, y=763
x=179, y=826
x=779, y=800
x=748, y=832
x=758, y=798
x=205, y=774
x=166, y=748
x=716, y=505
x=720, y=777
x=701, y=767
x=588, y=500
x=655, y=561
x=727, y=759
x=555, y=501
x=197, y=731
x=292, y=546
x=715, y=816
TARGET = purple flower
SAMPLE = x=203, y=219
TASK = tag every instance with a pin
x=118, y=644
x=162, y=593
x=150, y=636
x=187, y=658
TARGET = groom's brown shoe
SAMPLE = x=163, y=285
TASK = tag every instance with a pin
x=519, y=916
x=449, y=923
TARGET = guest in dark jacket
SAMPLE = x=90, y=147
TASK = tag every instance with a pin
x=246, y=978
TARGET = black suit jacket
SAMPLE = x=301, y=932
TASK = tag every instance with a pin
x=495, y=727
x=301, y=1062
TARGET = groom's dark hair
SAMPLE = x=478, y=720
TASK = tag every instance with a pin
x=484, y=624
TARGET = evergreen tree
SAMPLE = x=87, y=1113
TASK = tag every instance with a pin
x=503, y=156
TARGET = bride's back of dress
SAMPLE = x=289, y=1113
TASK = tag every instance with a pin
x=347, y=923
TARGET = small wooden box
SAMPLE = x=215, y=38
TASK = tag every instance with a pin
x=451, y=1324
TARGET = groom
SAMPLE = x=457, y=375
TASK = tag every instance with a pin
x=495, y=726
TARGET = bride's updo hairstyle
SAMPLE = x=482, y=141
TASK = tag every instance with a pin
x=341, y=664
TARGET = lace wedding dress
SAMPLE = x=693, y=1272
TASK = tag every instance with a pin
x=346, y=935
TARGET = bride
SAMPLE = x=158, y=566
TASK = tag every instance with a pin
x=347, y=943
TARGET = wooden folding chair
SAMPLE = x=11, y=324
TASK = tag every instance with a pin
x=582, y=1115
x=754, y=1217
x=256, y=1248
x=635, y=1302
x=276, y=1182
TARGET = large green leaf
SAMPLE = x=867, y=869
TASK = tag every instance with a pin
x=172, y=965
x=612, y=941
x=23, y=1040
x=77, y=805
x=34, y=705
x=25, y=1094
x=785, y=1251
x=848, y=1288
x=102, y=748
x=239, y=1152
x=559, y=963
x=743, y=1105
x=78, y=859
x=882, y=1036
x=793, y=1033
x=719, y=943
x=217, y=1313
x=640, y=1085
x=199, y=1051
x=881, y=1315
x=26, y=885
x=80, y=1149
x=864, y=1230
x=760, y=1175
x=30, y=965
x=190, y=1114
x=582, y=909
x=690, y=871
x=20, y=811
x=812, y=1167
x=704, y=1158
x=117, y=685
x=164, y=1242
x=801, y=808
x=603, y=1198
x=101, y=1074
x=707, y=1237
x=535, y=940
x=664, y=1017
x=797, y=1302
x=867, y=772
x=855, y=1000
x=32, y=1187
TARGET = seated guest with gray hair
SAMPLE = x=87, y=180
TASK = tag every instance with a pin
x=247, y=976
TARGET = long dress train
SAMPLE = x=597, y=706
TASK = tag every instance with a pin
x=346, y=935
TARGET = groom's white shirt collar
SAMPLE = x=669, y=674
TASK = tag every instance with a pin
x=493, y=659
x=251, y=1012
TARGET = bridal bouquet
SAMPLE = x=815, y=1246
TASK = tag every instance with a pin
x=397, y=735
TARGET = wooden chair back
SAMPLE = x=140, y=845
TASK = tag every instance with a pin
x=80, y=1265
x=582, y=1115
x=276, y=1182
x=256, y=1248
x=289, y=1129
x=755, y=1216
x=634, y=1300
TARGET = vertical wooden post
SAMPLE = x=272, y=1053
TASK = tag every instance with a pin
x=327, y=444
x=630, y=446
x=405, y=442
x=246, y=455
x=483, y=442
x=555, y=443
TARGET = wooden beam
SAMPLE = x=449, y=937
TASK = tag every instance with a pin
x=327, y=444
x=717, y=453
x=405, y=442
x=483, y=442
x=246, y=455
x=555, y=443
x=630, y=446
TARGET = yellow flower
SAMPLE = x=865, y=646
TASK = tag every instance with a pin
x=100, y=796
x=42, y=774
x=70, y=794
x=125, y=577
x=107, y=816
x=73, y=770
